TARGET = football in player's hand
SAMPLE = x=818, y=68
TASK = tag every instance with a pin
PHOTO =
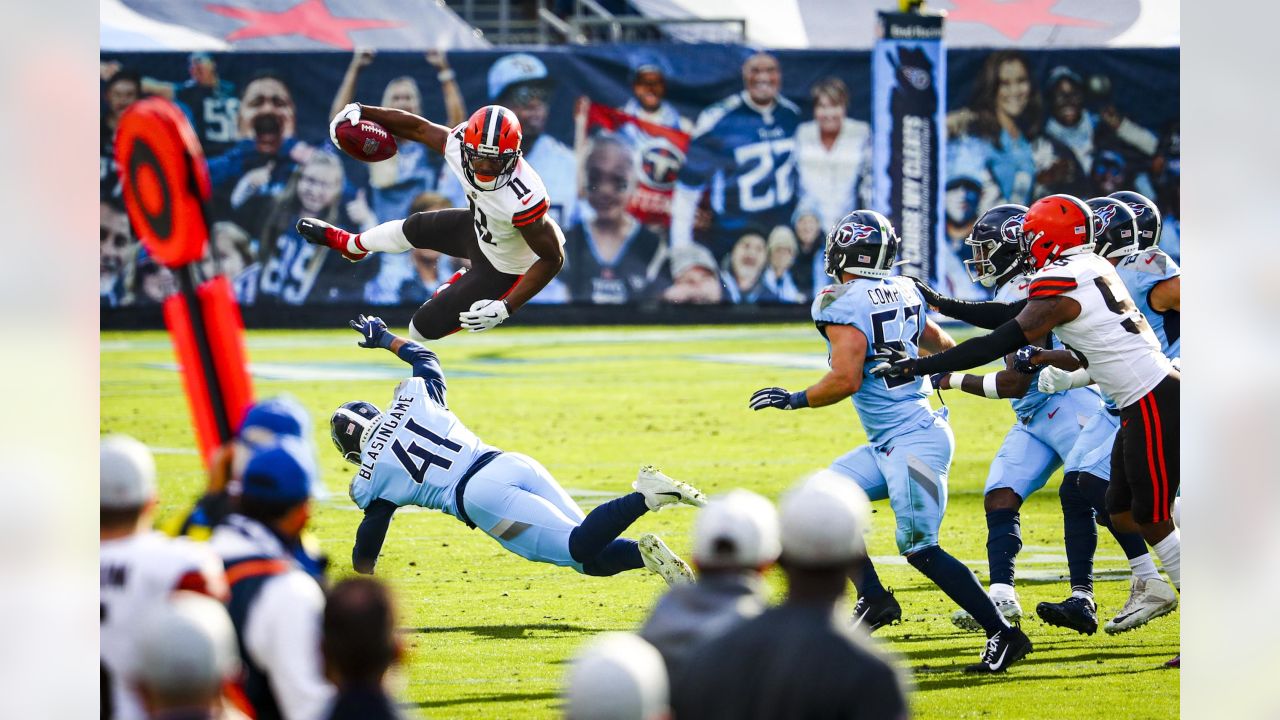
x=366, y=140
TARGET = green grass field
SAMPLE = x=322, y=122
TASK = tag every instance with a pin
x=489, y=633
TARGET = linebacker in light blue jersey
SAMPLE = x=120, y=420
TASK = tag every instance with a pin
x=1155, y=283
x=910, y=445
x=419, y=453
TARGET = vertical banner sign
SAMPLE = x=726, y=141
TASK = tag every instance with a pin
x=908, y=122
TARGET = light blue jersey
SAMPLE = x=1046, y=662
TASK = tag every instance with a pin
x=886, y=311
x=1140, y=273
x=1012, y=291
x=418, y=452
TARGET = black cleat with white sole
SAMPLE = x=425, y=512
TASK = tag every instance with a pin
x=1075, y=613
x=875, y=614
x=1003, y=649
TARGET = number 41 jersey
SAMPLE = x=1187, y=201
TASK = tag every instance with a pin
x=417, y=454
x=499, y=214
x=887, y=311
x=1121, y=352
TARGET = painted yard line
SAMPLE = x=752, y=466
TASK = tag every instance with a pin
x=325, y=372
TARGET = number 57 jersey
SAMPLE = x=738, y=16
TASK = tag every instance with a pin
x=888, y=312
x=1119, y=349
x=418, y=452
x=499, y=214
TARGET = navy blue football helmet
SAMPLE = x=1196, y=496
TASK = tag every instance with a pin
x=996, y=240
x=862, y=243
x=1115, y=227
x=350, y=427
x=1147, y=214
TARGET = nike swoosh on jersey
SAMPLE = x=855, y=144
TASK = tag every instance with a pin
x=1150, y=259
x=1055, y=412
x=526, y=201
x=888, y=452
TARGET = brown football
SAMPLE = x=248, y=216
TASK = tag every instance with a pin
x=366, y=140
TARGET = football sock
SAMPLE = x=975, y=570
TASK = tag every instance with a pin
x=868, y=582
x=1004, y=540
x=1169, y=550
x=1094, y=489
x=1079, y=533
x=604, y=524
x=959, y=583
x=1144, y=568
x=388, y=237
x=618, y=556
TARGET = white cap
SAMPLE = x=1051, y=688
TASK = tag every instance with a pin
x=823, y=519
x=736, y=530
x=187, y=647
x=617, y=676
x=128, y=473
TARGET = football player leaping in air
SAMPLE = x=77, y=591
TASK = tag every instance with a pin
x=1078, y=296
x=515, y=248
x=419, y=453
x=910, y=445
x=1057, y=427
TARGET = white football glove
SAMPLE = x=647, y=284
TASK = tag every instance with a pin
x=484, y=315
x=1054, y=380
x=350, y=113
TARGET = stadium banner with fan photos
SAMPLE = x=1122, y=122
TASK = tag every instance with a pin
x=770, y=149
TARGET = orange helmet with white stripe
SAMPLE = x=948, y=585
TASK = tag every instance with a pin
x=491, y=147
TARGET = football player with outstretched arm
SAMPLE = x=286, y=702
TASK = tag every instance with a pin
x=1077, y=295
x=418, y=452
x=514, y=247
x=908, y=457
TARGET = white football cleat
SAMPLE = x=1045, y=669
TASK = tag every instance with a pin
x=659, y=558
x=660, y=490
x=1008, y=607
x=1148, y=600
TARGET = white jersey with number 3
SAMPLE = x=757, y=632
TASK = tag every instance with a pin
x=1122, y=352
x=499, y=214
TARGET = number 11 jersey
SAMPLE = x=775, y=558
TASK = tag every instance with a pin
x=418, y=452
x=499, y=214
x=1121, y=352
x=887, y=311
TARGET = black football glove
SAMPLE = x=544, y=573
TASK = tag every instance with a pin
x=891, y=362
x=1022, y=359
x=930, y=295
x=373, y=330
x=776, y=397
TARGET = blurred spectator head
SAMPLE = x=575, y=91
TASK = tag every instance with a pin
x=319, y=183
x=1004, y=93
x=736, y=531
x=822, y=519
x=153, y=281
x=649, y=80
x=276, y=487
x=520, y=82
x=807, y=222
x=267, y=112
x=762, y=78
x=122, y=90
x=1166, y=169
x=187, y=654
x=962, y=195
x=127, y=485
x=230, y=250
x=610, y=171
x=115, y=244
x=402, y=93
x=428, y=201
x=695, y=277
x=617, y=676
x=746, y=260
x=830, y=101
x=1110, y=172
x=359, y=640
x=204, y=71
x=1066, y=96
x=782, y=247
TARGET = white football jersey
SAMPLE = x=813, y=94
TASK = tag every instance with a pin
x=418, y=452
x=1122, y=353
x=137, y=573
x=499, y=214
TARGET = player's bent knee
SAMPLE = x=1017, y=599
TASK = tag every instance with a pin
x=414, y=335
x=1001, y=499
x=1124, y=522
